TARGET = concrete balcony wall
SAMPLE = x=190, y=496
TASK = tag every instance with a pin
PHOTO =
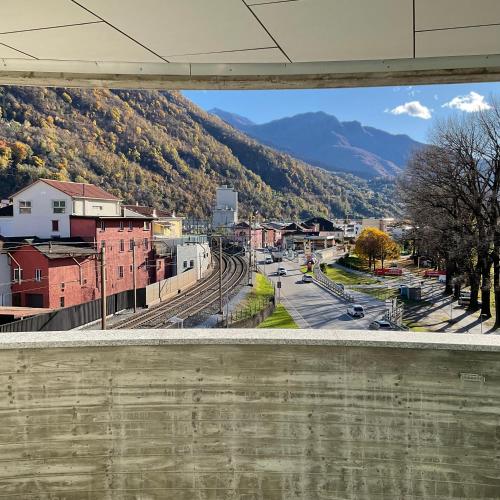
x=249, y=415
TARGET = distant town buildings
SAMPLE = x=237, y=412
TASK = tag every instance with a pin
x=225, y=213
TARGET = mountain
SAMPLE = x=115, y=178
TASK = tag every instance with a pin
x=233, y=119
x=158, y=148
x=324, y=141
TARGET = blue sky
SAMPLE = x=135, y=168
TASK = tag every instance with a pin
x=406, y=110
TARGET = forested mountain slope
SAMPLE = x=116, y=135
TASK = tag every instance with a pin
x=158, y=148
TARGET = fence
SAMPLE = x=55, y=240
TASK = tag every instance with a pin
x=75, y=316
x=251, y=316
x=170, y=287
x=336, y=288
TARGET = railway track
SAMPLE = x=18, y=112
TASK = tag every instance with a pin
x=194, y=300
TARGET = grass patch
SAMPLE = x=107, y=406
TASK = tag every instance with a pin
x=259, y=297
x=347, y=278
x=279, y=319
x=380, y=293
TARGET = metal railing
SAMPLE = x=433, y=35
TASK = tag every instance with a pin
x=336, y=288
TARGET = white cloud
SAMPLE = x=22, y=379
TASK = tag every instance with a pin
x=469, y=103
x=412, y=108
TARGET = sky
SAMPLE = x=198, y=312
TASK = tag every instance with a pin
x=407, y=110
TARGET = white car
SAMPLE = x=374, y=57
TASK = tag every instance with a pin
x=269, y=259
x=281, y=271
x=380, y=324
x=356, y=311
x=307, y=278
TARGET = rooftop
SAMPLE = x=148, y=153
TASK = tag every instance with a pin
x=54, y=248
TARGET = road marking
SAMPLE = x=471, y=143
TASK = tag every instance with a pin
x=298, y=318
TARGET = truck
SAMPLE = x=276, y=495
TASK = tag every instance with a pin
x=388, y=271
x=277, y=256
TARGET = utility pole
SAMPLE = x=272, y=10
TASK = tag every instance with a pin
x=221, y=306
x=134, y=276
x=250, y=250
x=103, y=288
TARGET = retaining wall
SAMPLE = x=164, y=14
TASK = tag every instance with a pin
x=235, y=414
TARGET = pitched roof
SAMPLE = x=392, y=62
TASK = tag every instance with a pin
x=80, y=189
x=148, y=211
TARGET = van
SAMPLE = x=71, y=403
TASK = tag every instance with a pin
x=356, y=311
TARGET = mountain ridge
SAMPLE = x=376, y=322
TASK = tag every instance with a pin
x=159, y=149
x=324, y=141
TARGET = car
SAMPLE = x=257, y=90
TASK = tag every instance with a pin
x=380, y=324
x=464, y=299
x=393, y=264
x=356, y=311
x=268, y=259
x=307, y=278
x=281, y=271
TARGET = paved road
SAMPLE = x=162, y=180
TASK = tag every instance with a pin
x=311, y=306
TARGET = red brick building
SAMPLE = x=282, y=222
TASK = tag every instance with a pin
x=53, y=274
x=119, y=235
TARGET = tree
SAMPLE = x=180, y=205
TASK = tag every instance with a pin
x=373, y=244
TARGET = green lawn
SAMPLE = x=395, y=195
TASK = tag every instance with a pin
x=303, y=269
x=279, y=319
x=347, y=278
x=262, y=289
x=380, y=293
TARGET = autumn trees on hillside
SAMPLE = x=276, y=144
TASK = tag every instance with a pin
x=374, y=244
x=451, y=191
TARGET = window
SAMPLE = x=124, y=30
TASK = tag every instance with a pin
x=130, y=225
x=131, y=245
x=103, y=226
x=191, y=263
x=97, y=207
x=18, y=275
x=63, y=286
x=131, y=268
x=58, y=206
x=122, y=245
x=55, y=226
x=147, y=226
x=120, y=271
x=146, y=243
x=25, y=207
x=185, y=264
x=38, y=275
x=61, y=301
x=121, y=225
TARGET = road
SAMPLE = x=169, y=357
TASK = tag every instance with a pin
x=311, y=306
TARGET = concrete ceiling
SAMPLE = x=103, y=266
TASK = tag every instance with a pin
x=248, y=43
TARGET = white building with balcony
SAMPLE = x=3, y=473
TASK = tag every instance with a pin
x=226, y=207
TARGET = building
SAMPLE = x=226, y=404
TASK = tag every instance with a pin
x=128, y=246
x=165, y=225
x=244, y=237
x=43, y=209
x=377, y=223
x=5, y=277
x=52, y=274
x=226, y=207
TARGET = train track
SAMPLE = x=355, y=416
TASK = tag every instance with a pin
x=194, y=300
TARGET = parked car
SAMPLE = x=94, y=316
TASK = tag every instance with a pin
x=356, y=311
x=380, y=324
x=281, y=271
x=269, y=259
x=393, y=264
x=464, y=299
x=307, y=278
